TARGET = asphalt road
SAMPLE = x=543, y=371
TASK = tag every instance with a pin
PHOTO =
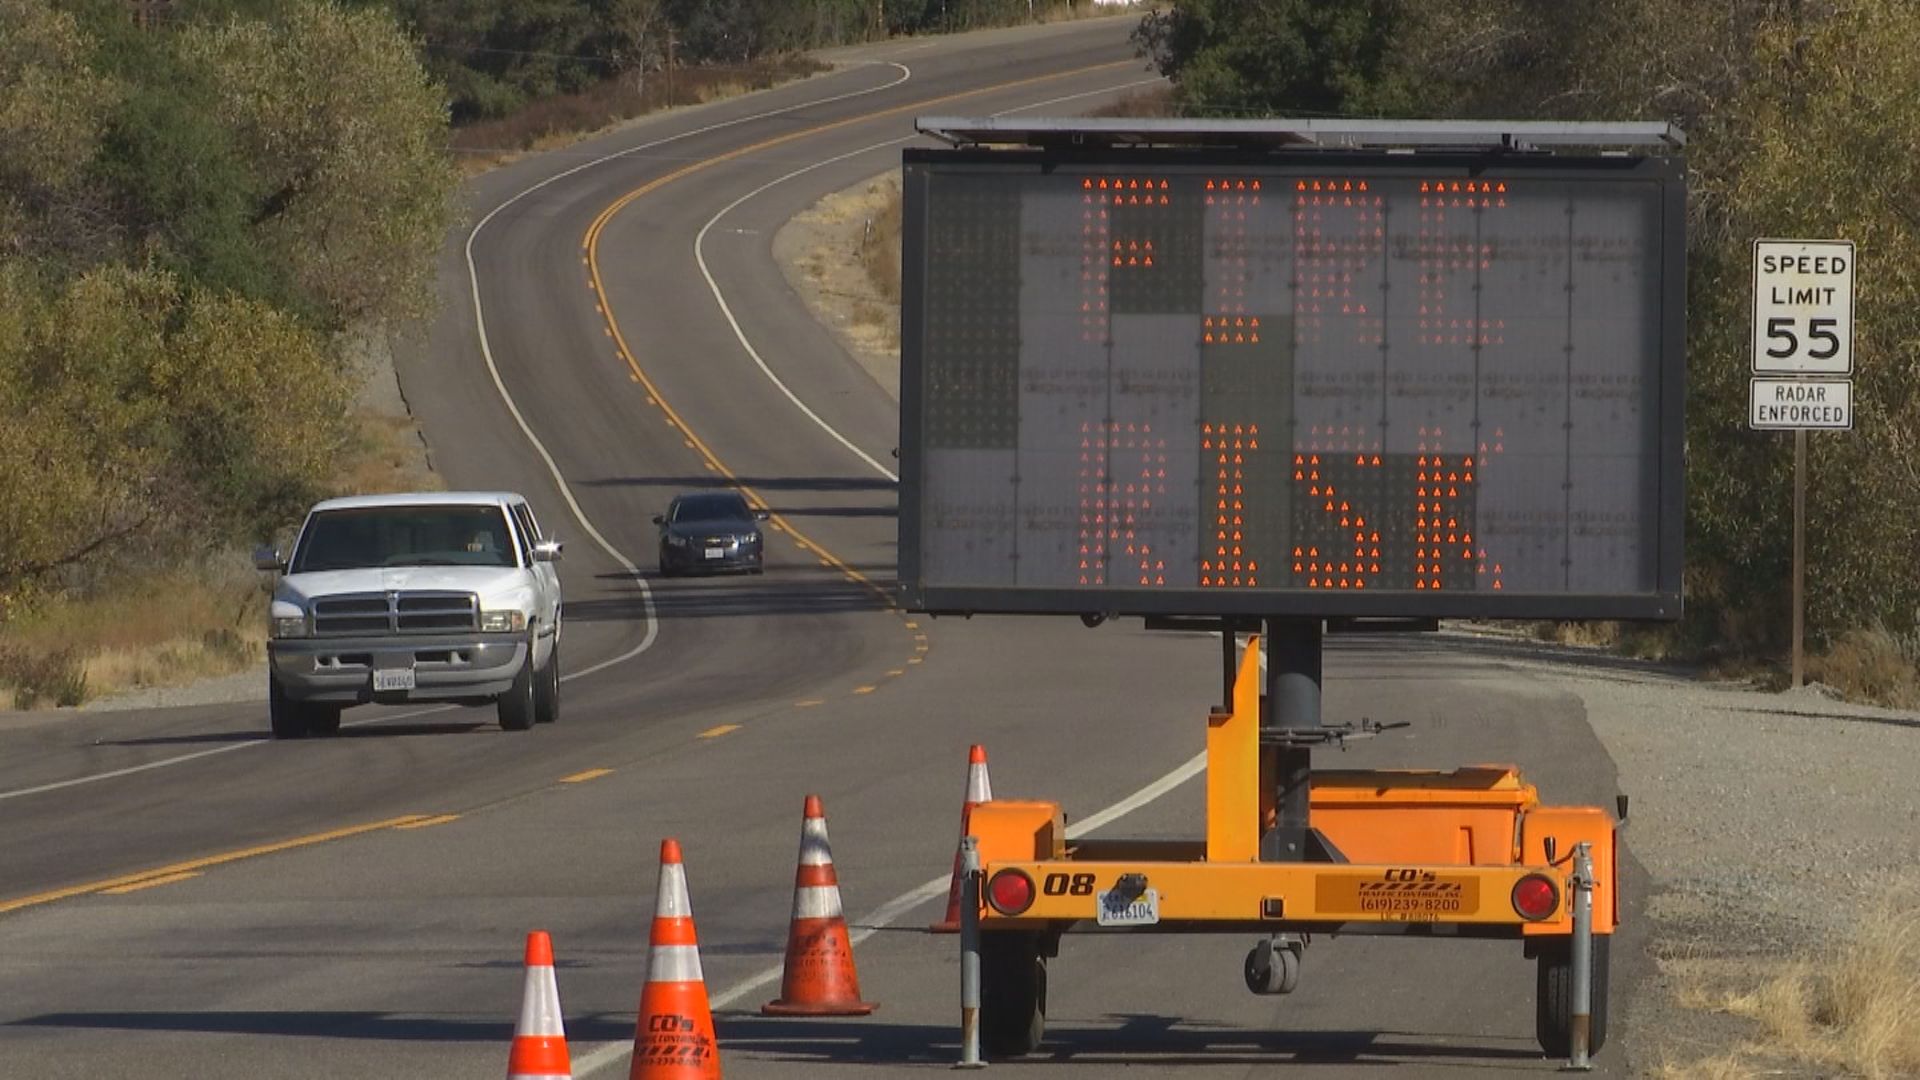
x=180, y=897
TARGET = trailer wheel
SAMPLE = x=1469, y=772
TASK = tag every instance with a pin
x=1553, y=996
x=1013, y=993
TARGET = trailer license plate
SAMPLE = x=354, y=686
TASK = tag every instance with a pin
x=1124, y=910
x=392, y=679
x=716, y=553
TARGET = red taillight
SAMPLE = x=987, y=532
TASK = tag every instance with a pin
x=1535, y=897
x=1010, y=892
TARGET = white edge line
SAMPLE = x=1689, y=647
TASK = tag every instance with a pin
x=609, y=1053
x=480, y=324
x=700, y=258
x=883, y=916
x=486, y=351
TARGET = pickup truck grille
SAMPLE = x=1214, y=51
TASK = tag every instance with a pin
x=396, y=613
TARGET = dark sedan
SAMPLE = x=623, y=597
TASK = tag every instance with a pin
x=709, y=531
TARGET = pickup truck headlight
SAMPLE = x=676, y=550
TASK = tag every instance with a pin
x=503, y=622
x=289, y=626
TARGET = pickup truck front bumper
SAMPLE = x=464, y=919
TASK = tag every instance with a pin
x=451, y=667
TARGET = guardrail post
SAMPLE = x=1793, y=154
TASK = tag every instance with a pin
x=970, y=955
x=1580, y=1023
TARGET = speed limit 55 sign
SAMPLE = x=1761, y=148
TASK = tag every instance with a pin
x=1803, y=307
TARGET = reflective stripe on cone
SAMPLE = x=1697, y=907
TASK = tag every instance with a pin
x=818, y=978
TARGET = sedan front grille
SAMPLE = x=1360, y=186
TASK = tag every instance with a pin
x=396, y=613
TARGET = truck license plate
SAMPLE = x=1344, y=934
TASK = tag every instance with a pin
x=1117, y=910
x=716, y=553
x=392, y=679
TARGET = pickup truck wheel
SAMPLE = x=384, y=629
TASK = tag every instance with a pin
x=1553, y=996
x=323, y=720
x=516, y=705
x=287, y=716
x=1013, y=993
x=546, y=687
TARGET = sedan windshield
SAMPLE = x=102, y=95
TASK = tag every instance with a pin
x=712, y=508
x=405, y=536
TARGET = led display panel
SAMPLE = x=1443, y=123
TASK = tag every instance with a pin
x=1168, y=383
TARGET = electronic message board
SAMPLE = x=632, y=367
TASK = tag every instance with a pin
x=1179, y=381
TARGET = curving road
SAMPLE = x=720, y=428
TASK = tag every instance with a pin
x=180, y=897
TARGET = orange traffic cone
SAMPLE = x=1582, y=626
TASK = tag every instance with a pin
x=979, y=790
x=540, y=1038
x=819, y=978
x=673, y=1038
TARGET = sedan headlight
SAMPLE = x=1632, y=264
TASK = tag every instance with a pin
x=750, y=538
x=503, y=622
x=677, y=541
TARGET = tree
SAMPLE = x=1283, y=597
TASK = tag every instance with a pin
x=347, y=135
x=52, y=111
x=1287, y=57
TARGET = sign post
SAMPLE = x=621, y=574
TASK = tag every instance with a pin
x=1802, y=329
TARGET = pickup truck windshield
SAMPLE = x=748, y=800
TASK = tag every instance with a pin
x=405, y=536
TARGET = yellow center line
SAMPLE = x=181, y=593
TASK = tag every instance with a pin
x=201, y=863
x=809, y=703
x=583, y=777
x=121, y=890
x=863, y=689
x=426, y=823
x=592, y=244
x=716, y=732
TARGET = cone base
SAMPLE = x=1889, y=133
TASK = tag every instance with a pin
x=944, y=928
x=822, y=1008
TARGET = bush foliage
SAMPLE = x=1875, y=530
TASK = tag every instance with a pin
x=188, y=220
x=1803, y=119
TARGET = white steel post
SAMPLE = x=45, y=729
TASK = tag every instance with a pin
x=970, y=955
x=1580, y=1024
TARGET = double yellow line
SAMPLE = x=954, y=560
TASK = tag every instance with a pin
x=590, y=244
x=180, y=871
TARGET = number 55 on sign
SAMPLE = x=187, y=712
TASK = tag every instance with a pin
x=1803, y=307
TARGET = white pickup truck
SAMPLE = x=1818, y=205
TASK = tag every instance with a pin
x=437, y=596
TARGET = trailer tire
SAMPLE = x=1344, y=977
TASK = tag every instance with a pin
x=1013, y=993
x=1553, y=996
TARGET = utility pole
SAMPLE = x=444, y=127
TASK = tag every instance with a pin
x=669, y=67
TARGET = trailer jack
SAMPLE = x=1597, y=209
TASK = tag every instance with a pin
x=1273, y=965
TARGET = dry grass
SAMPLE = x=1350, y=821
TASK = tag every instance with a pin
x=880, y=240
x=1725, y=1067
x=1874, y=665
x=556, y=122
x=1152, y=101
x=1854, y=1010
x=1082, y=9
x=166, y=629
x=388, y=455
